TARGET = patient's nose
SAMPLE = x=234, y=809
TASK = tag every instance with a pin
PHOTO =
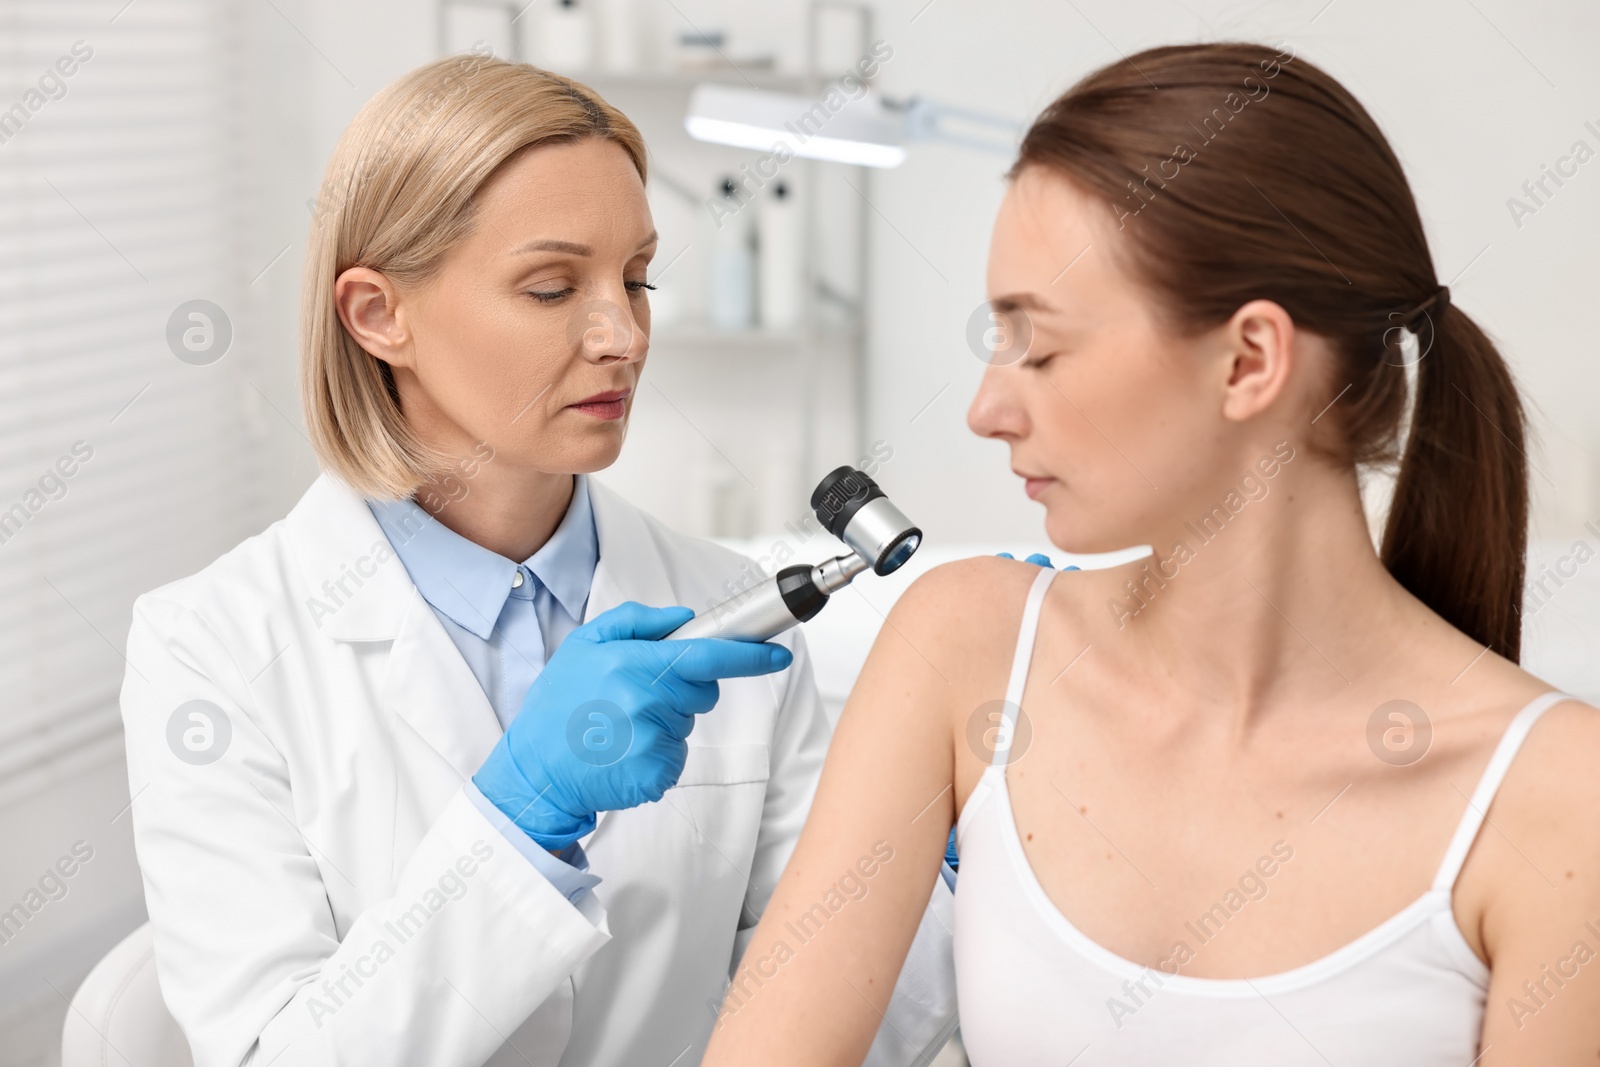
x=997, y=410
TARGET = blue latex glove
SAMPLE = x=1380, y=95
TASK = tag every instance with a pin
x=1038, y=559
x=603, y=726
x=950, y=856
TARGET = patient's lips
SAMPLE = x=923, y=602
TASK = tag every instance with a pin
x=1034, y=484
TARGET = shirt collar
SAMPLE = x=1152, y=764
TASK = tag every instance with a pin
x=470, y=583
x=565, y=563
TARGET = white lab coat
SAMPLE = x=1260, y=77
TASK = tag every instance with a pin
x=325, y=893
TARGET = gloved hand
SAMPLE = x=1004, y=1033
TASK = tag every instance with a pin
x=603, y=726
x=950, y=856
x=1038, y=559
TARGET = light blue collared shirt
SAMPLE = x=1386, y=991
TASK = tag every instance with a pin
x=506, y=619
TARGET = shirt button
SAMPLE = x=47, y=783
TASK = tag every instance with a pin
x=516, y=579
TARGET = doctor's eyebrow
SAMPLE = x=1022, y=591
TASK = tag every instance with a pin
x=545, y=244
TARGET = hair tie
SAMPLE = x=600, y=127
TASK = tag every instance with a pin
x=1437, y=303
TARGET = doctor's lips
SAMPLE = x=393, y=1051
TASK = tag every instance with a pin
x=1034, y=484
x=608, y=405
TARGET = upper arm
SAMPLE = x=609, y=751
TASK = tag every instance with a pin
x=1542, y=927
x=799, y=743
x=837, y=930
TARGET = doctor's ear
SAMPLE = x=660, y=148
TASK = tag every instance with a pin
x=368, y=304
x=1259, y=341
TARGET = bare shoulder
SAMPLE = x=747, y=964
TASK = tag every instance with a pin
x=959, y=620
x=1554, y=766
x=965, y=601
x=1541, y=847
x=1551, y=789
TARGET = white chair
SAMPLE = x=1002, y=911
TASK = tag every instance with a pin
x=118, y=1018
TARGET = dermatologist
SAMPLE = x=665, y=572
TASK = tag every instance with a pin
x=414, y=778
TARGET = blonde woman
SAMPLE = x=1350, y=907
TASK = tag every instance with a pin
x=414, y=781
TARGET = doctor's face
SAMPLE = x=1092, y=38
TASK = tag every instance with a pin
x=1106, y=405
x=532, y=336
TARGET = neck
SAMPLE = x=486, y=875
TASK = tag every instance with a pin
x=486, y=496
x=1283, y=601
x=509, y=512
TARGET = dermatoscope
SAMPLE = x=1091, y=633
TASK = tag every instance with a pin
x=850, y=506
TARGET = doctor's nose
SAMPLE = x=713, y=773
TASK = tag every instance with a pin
x=605, y=331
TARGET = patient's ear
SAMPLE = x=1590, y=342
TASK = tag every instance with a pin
x=370, y=308
x=1258, y=345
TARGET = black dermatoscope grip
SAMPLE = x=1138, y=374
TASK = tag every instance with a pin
x=850, y=506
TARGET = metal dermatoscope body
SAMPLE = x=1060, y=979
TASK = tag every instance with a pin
x=850, y=506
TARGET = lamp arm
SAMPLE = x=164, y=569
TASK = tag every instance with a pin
x=927, y=120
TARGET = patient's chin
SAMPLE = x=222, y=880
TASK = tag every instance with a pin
x=1072, y=534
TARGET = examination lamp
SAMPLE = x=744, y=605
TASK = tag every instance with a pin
x=866, y=130
x=850, y=506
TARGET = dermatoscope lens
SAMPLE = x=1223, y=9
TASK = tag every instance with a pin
x=852, y=508
x=899, y=552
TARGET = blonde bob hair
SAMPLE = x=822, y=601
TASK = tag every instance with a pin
x=398, y=195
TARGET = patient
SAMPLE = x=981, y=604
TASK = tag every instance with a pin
x=1225, y=805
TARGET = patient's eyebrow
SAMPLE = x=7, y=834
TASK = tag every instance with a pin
x=1021, y=302
x=548, y=244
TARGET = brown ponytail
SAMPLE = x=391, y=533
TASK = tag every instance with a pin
x=1237, y=172
x=1456, y=533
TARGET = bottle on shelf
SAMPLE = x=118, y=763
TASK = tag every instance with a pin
x=780, y=240
x=678, y=266
x=617, y=23
x=730, y=301
x=560, y=36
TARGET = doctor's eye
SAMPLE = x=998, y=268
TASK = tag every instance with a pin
x=1038, y=364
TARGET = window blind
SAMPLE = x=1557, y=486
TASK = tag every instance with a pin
x=122, y=465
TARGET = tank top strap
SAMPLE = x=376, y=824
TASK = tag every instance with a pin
x=1478, y=807
x=1020, y=660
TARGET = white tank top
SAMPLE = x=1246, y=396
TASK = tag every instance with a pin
x=1034, y=990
